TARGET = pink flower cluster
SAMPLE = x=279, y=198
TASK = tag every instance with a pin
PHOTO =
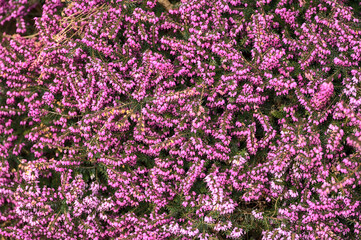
x=197, y=119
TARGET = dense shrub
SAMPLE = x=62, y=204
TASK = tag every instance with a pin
x=206, y=119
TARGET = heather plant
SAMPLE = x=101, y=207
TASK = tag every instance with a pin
x=19, y=12
x=217, y=119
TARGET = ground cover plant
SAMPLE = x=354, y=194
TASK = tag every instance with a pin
x=192, y=119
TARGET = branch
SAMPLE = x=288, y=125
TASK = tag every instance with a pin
x=166, y=4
